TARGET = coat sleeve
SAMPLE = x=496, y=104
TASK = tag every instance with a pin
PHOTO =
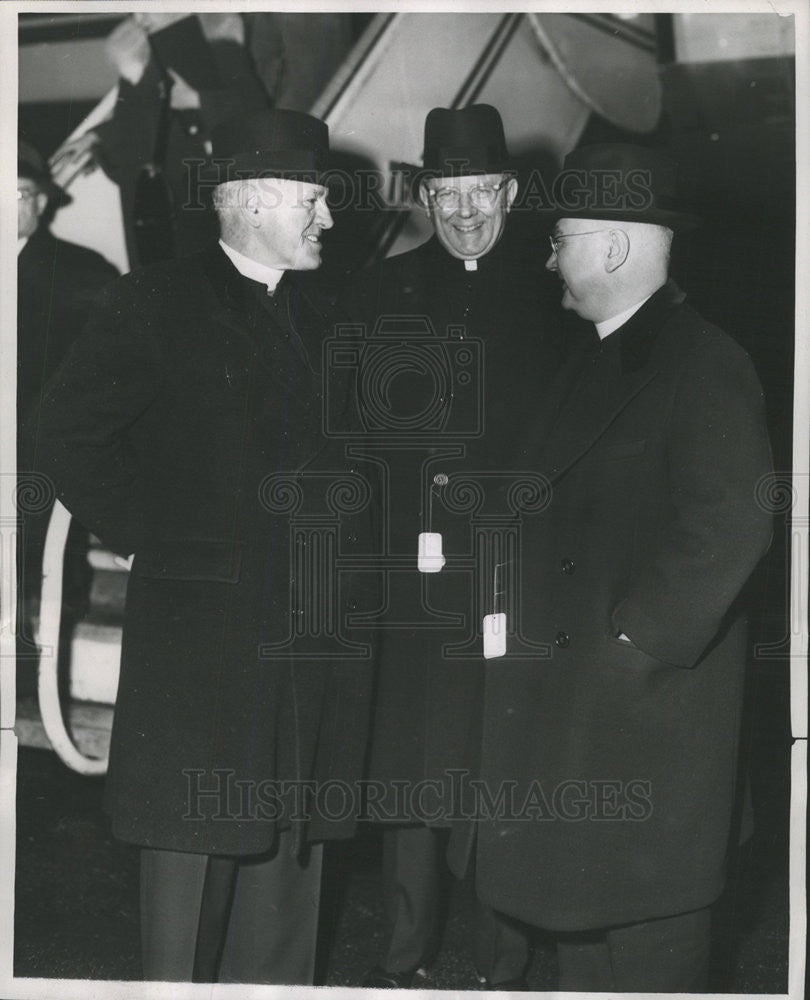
x=81, y=434
x=226, y=83
x=718, y=453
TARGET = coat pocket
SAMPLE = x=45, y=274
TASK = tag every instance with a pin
x=191, y=559
x=622, y=655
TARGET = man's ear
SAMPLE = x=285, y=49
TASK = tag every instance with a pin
x=249, y=206
x=618, y=250
x=41, y=203
x=511, y=192
x=424, y=197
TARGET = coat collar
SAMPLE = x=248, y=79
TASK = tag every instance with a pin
x=637, y=336
x=40, y=246
x=230, y=287
x=433, y=254
x=236, y=292
x=248, y=309
x=452, y=293
x=603, y=379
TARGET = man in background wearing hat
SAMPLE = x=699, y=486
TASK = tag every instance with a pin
x=194, y=382
x=622, y=742
x=56, y=284
x=480, y=286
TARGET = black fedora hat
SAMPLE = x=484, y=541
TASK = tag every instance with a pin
x=270, y=143
x=32, y=165
x=621, y=182
x=463, y=142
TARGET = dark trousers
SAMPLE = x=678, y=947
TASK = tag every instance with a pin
x=210, y=918
x=412, y=874
x=668, y=955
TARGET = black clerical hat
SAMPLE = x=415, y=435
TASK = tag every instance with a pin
x=464, y=142
x=621, y=182
x=270, y=143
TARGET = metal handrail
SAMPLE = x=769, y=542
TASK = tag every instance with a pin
x=50, y=620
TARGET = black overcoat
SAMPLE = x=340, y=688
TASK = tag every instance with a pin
x=622, y=757
x=57, y=283
x=166, y=431
x=499, y=332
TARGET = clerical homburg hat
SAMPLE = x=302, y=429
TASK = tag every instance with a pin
x=464, y=142
x=621, y=182
x=270, y=143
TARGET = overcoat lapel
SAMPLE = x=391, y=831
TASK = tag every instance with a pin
x=269, y=324
x=38, y=253
x=284, y=335
x=606, y=381
x=598, y=397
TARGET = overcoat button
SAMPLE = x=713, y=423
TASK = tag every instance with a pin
x=562, y=639
x=567, y=565
x=352, y=536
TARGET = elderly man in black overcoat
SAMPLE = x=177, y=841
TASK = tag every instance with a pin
x=181, y=428
x=479, y=307
x=620, y=744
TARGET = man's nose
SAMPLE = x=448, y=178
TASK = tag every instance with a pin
x=465, y=205
x=551, y=263
x=324, y=216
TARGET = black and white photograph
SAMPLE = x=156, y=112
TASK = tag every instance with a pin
x=404, y=498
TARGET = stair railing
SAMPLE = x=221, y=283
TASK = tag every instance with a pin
x=50, y=621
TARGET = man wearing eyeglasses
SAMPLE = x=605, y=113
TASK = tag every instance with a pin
x=622, y=741
x=495, y=328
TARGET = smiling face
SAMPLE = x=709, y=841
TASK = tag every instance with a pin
x=471, y=227
x=287, y=218
x=579, y=262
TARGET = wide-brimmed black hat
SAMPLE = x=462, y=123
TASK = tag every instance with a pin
x=32, y=165
x=622, y=182
x=464, y=142
x=272, y=143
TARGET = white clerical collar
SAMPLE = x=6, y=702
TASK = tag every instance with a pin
x=471, y=265
x=607, y=326
x=21, y=241
x=252, y=269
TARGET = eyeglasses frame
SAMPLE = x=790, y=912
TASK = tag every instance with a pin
x=554, y=240
x=495, y=188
